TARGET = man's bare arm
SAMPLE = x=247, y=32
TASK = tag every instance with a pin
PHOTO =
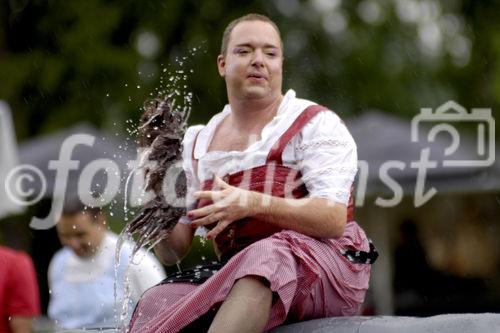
x=314, y=217
x=171, y=250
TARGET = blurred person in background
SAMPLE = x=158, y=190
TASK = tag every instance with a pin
x=19, y=297
x=82, y=275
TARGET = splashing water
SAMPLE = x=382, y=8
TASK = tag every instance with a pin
x=119, y=244
x=160, y=133
x=141, y=165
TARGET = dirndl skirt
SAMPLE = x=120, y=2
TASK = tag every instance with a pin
x=311, y=278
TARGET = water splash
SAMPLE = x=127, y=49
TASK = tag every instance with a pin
x=161, y=131
x=160, y=134
x=124, y=301
x=119, y=244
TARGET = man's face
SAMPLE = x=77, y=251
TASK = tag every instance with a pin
x=253, y=64
x=81, y=233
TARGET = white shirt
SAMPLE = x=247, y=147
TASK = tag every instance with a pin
x=82, y=289
x=324, y=151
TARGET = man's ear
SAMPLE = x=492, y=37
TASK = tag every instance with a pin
x=221, y=65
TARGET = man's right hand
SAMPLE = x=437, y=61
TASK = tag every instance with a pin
x=172, y=249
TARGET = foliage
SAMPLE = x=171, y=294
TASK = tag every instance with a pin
x=68, y=61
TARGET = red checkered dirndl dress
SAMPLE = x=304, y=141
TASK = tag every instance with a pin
x=311, y=278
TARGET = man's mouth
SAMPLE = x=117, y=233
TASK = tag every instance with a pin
x=256, y=76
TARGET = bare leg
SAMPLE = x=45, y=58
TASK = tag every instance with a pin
x=246, y=308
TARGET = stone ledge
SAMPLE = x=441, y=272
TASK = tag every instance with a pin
x=447, y=323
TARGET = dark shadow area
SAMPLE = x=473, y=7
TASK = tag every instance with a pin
x=421, y=290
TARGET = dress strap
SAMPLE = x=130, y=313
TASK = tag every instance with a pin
x=306, y=115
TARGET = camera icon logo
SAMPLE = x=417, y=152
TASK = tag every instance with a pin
x=443, y=120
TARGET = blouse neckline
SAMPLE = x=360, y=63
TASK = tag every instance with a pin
x=206, y=134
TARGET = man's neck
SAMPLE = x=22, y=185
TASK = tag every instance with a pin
x=246, y=115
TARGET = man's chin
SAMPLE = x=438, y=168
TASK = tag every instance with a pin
x=84, y=254
x=257, y=93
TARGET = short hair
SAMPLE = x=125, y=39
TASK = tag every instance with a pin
x=75, y=206
x=246, y=18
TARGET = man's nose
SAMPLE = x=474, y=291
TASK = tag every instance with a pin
x=258, y=58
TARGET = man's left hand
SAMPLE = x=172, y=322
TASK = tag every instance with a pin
x=229, y=204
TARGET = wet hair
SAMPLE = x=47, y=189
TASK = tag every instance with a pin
x=249, y=17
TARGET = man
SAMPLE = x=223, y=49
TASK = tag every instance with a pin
x=82, y=275
x=19, y=297
x=279, y=218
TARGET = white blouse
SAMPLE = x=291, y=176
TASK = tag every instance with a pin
x=324, y=151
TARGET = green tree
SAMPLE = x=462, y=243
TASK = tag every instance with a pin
x=68, y=61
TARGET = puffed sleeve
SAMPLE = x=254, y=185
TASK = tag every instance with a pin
x=192, y=181
x=327, y=157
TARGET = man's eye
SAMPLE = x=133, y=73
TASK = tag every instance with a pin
x=241, y=51
x=271, y=52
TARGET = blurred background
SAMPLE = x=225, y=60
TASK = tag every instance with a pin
x=88, y=66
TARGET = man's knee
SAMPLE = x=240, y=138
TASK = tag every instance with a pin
x=253, y=289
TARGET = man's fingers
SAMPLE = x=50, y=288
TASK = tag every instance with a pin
x=220, y=183
x=218, y=229
x=209, y=219
x=210, y=195
x=213, y=195
x=201, y=212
